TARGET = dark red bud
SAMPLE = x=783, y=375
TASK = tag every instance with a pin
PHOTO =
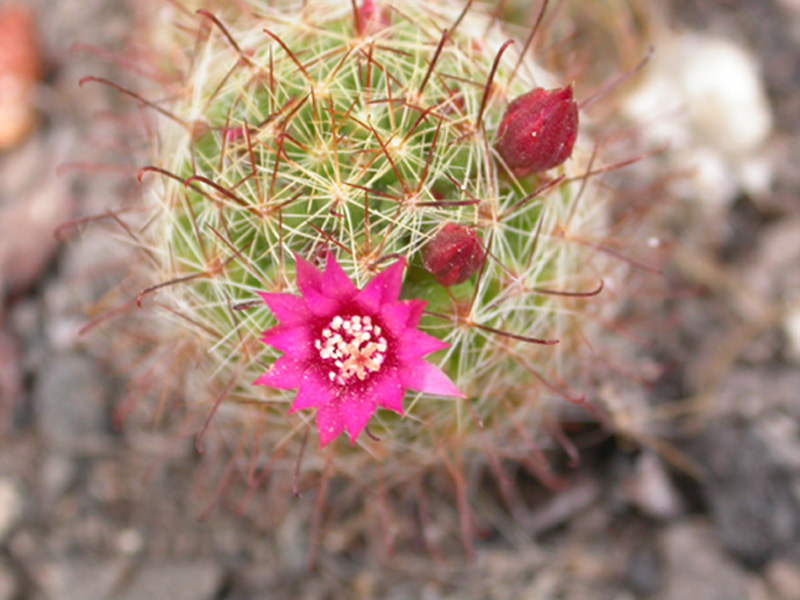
x=538, y=131
x=454, y=254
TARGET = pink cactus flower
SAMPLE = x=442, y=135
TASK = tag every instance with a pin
x=350, y=351
x=538, y=131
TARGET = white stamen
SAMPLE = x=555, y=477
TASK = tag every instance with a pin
x=357, y=351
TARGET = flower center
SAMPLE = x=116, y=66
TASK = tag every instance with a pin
x=355, y=346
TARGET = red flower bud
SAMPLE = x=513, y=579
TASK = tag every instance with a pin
x=453, y=255
x=538, y=131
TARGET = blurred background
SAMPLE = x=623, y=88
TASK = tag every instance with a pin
x=693, y=494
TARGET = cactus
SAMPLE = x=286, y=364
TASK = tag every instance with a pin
x=365, y=131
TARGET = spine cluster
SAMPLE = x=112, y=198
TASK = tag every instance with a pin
x=372, y=131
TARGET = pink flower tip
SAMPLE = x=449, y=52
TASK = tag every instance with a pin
x=370, y=19
x=349, y=352
x=538, y=131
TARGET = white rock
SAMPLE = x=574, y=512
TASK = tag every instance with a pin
x=703, y=97
x=652, y=490
x=724, y=93
x=784, y=579
x=81, y=579
x=10, y=506
x=180, y=581
x=791, y=327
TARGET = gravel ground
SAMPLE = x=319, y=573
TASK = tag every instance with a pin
x=92, y=511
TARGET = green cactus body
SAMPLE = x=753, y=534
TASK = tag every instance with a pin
x=311, y=138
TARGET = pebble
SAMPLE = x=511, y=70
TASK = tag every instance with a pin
x=783, y=578
x=177, y=581
x=56, y=474
x=645, y=569
x=10, y=506
x=703, y=96
x=28, y=220
x=752, y=393
x=8, y=584
x=791, y=327
x=10, y=377
x=130, y=542
x=773, y=274
x=651, y=490
x=725, y=95
x=81, y=579
x=697, y=568
x=69, y=400
x=750, y=493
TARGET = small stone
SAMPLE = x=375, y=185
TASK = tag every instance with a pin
x=783, y=578
x=773, y=274
x=10, y=376
x=751, y=393
x=27, y=223
x=651, y=490
x=645, y=570
x=791, y=326
x=10, y=506
x=703, y=96
x=178, y=581
x=56, y=475
x=130, y=541
x=8, y=584
x=81, y=579
x=750, y=493
x=726, y=97
x=697, y=568
x=69, y=400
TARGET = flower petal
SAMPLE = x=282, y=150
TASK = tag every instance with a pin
x=415, y=314
x=292, y=341
x=415, y=345
x=356, y=410
x=288, y=309
x=395, y=316
x=285, y=374
x=388, y=393
x=321, y=305
x=314, y=391
x=384, y=288
x=335, y=281
x=422, y=376
x=329, y=423
x=308, y=277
